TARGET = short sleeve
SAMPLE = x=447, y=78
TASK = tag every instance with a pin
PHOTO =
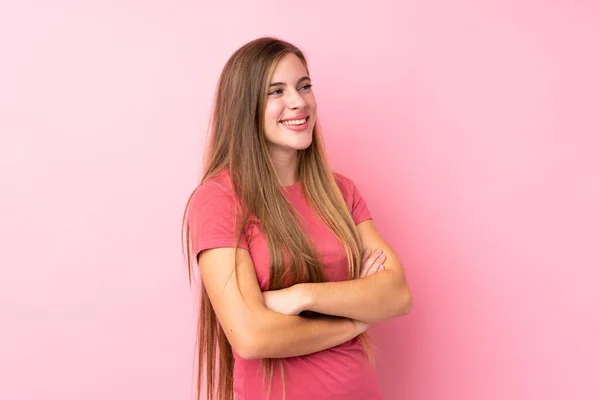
x=212, y=216
x=356, y=203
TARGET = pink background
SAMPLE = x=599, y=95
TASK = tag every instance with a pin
x=471, y=128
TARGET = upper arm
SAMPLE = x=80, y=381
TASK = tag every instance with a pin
x=234, y=293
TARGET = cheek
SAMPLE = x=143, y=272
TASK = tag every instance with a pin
x=311, y=102
x=272, y=113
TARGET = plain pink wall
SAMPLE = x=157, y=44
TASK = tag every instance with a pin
x=470, y=127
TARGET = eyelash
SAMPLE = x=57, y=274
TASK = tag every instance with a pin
x=307, y=87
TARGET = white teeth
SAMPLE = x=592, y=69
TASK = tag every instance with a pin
x=294, y=122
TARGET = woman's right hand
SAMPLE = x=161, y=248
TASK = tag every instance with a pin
x=372, y=262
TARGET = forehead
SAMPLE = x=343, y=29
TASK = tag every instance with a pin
x=289, y=68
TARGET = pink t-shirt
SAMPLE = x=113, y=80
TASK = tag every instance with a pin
x=339, y=373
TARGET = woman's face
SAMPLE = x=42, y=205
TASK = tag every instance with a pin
x=291, y=108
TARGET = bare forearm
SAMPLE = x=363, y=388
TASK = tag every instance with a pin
x=376, y=298
x=282, y=336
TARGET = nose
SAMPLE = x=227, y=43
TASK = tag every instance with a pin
x=295, y=100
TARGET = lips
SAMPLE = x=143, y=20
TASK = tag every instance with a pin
x=295, y=117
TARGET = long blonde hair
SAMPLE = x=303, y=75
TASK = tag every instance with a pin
x=237, y=142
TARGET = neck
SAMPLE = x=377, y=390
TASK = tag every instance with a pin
x=286, y=166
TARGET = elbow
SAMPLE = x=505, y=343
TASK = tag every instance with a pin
x=252, y=341
x=395, y=302
x=407, y=304
x=248, y=345
x=404, y=302
x=247, y=353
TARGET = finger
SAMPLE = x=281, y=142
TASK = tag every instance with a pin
x=365, y=255
x=366, y=260
x=363, y=270
x=378, y=263
x=371, y=263
x=374, y=256
x=371, y=260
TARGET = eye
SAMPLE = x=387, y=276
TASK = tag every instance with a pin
x=276, y=91
x=306, y=87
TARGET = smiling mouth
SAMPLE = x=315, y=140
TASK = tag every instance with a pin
x=295, y=122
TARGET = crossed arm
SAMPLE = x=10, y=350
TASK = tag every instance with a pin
x=267, y=325
x=377, y=297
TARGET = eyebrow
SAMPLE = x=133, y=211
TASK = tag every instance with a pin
x=304, y=78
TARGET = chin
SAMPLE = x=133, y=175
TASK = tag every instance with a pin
x=303, y=147
x=302, y=144
x=284, y=140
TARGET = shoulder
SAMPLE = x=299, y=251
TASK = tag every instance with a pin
x=216, y=192
x=353, y=198
x=345, y=184
x=341, y=179
x=219, y=183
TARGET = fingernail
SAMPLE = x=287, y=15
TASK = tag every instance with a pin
x=379, y=251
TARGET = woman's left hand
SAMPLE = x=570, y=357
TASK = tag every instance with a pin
x=288, y=301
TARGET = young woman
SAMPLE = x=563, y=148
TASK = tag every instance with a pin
x=289, y=286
